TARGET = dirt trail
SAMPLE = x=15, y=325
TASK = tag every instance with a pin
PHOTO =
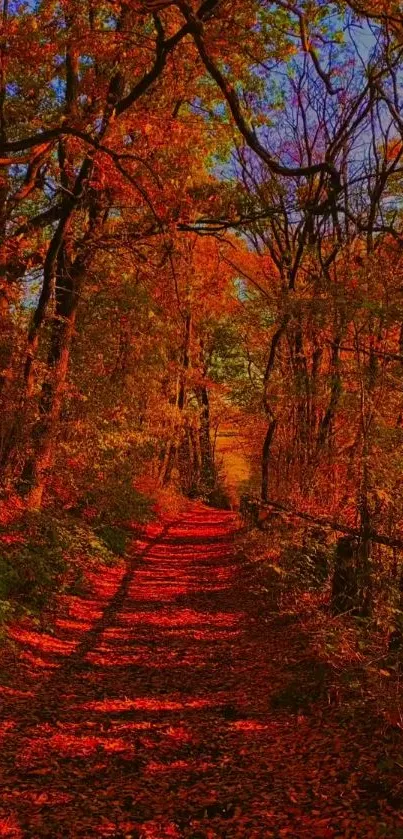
x=154, y=709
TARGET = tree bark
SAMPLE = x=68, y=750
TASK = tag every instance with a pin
x=266, y=459
x=174, y=444
x=335, y=392
x=344, y=585
x=206, y=453
x=37, y=466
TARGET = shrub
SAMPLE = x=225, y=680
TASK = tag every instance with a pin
x=117, y=503
x=218, y=497
x=44, y=553
x=114, y=538
x=309, y=564
x=32, y=562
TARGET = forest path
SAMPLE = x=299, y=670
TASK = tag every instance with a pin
x=153, y=709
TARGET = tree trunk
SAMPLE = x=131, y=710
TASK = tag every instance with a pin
x=174, y=444
x=50, y=271
x=335, y=392
x=344, y=586
x=36, y=468
x=206, y=453
x=168, y=463
x=364, y=551
x=266, y=459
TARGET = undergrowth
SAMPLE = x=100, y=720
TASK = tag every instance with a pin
x=48, y=552
x=289, y=570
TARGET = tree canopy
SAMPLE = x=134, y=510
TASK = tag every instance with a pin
x=201, y=224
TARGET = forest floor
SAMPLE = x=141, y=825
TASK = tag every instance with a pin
x=167, y=702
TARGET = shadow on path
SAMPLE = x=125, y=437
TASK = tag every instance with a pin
x=163, y=705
